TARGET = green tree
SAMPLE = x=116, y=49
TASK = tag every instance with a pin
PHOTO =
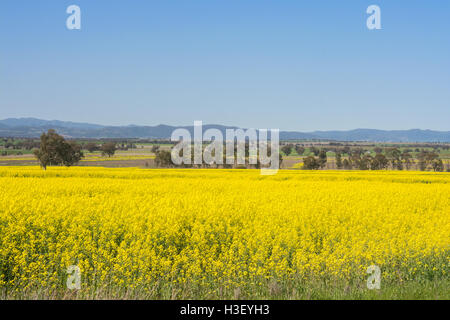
x=346, y=150
x=347, y=163
x=155, y=148
x=437, y=165
x=406, y=158
x=91, y=147
x=311, y=163
x=314, y=150
x=55, y=150
x=108, y=148
x=163, y=158
x=322, y=158
x=365, y=162
x=339, y=160
x=379, y=162
x=299, y=149
x=428, y=158
x=422, y=160
x=287, y=149
x=394, y=156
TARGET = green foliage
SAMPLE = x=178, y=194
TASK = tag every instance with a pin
x=437, y=165
x=311, y=163
x=430, y=159
x=108, y=148
x=347, y=164
x=155, y=148
x=287, y=149
x=339, y=163
x=299, y=149
x=314, y=150
x=55, y=150
x=379, y=162
x=163, y=158
x=91, y=147
x=322, y=158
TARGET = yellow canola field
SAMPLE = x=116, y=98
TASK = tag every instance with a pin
x=138, y=228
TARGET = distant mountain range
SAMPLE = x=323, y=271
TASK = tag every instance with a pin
x=31, y=127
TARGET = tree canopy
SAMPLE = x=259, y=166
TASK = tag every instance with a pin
x=55, y=150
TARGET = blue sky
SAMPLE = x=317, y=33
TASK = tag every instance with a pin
x=292, y=65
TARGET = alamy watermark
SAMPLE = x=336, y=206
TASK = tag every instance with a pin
x=73, y=278
x=374, y=20
x=374, y=280
x=73, y=22
x=238, y=147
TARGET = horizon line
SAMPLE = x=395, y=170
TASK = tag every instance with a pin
x=214, y=124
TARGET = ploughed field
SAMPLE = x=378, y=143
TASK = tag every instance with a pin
x=211, y=233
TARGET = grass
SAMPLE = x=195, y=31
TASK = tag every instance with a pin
x=268, y=290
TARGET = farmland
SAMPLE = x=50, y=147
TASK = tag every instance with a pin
x=217, y=234
x=142, y=153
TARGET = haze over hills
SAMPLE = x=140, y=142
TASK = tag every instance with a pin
x=32, y=127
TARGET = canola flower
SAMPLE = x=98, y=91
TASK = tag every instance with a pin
x=298, y=165
x=141, y=229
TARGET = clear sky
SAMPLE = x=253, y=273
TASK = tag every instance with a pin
x=293, y=65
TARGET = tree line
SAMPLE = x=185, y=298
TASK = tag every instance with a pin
x=360, y=160
x=163, y=158
x=54, y=150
